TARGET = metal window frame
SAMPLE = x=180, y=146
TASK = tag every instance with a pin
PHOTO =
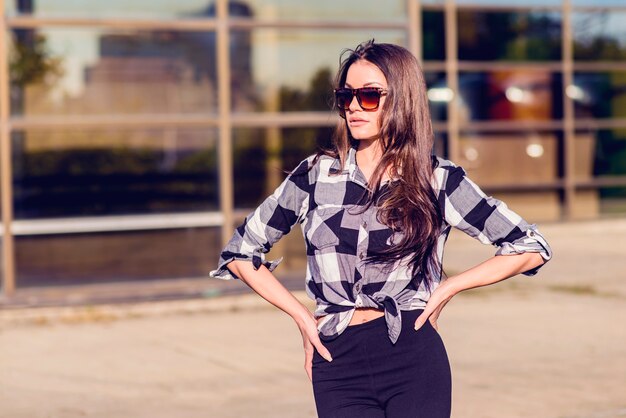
x=6, y=176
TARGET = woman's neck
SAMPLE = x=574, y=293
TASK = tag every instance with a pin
x=368, y=156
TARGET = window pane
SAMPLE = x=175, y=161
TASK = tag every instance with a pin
x=488, y=158
x=441, y=145
x=434, y=42
x=112, y=171
x=250, y=166
x=612, y=200
x=510, y=95
x=511, y=36
x=602, y=153
x=393, y=10
x=299, y=143
x=512, y=2
x=71, y=259
x=263, y=156
x=439, y=94
x=599, y=94
x=599, y=36
x=290, y=70
x=598, y=2
x=114, y=8
x=94, y=71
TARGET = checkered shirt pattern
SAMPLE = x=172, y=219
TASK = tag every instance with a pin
x=327, y=201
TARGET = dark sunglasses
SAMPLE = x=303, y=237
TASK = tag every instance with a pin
x=367, y=97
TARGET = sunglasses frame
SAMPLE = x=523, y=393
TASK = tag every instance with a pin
x=357, y=93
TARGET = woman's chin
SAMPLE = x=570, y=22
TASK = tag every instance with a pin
x=362, y=134
x=365, y=137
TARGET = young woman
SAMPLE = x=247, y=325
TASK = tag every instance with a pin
x=375, y=212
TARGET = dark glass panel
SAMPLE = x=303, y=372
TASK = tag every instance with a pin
x=63, y=173
x=434, y=36
x=509, y=36
x=599, y=94
x=439, y=94
x=264, y=156
x=602, y=153
x=612, y=201
x=441, y=145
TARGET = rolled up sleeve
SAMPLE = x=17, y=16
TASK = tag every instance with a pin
x=263, y=227
x=466, y=207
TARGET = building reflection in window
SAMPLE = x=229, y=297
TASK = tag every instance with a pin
x=510, y=95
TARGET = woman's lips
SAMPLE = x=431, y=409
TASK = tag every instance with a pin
x=357, y=122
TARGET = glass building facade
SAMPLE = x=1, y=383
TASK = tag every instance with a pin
x=136, y=134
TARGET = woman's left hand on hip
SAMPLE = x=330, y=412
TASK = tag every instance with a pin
x=437, y=301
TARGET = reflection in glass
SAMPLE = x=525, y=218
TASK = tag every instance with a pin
x=345, y=10
x=609, y=148
x=612, y=200
x=114, y=8
x=94, y=71
x=600, y=154
x=439, y=95
x=111, y=171
x=520, y=3
x=510, y=36
x=250, y=166
x=263, y=157
x=440, y=147
x=599, y=35
x=599, y=94
x=598, y=2
x=499, y=160
x=89, y=258
x=288, y=70
x=490, y=156
x=299, y=143
x=510, y=95
x=434, y=36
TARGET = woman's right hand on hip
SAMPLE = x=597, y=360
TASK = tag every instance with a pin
x=311, y=342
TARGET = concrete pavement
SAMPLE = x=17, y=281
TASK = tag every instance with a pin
x=552, y=345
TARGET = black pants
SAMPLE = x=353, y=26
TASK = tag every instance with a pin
x=370, y=377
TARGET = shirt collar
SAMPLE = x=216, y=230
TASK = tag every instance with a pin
x=351, y=169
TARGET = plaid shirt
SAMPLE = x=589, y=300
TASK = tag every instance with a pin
x=326, y=202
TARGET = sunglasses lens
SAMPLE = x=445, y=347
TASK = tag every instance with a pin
x=369, y=98
x=343, y=97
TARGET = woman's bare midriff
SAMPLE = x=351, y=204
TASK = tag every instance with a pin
x=362, y=315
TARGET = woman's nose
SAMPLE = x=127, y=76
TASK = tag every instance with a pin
x=354, y=104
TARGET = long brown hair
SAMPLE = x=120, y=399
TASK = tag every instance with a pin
x=408, y=205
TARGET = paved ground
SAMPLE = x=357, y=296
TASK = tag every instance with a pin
x=552, y=346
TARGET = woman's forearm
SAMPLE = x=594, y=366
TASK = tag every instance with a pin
x=263, y=282
x=493, y=270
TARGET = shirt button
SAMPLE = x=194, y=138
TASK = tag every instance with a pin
x=357, y=287
x=531, y=233
x=361, y=256
x=364, y=224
